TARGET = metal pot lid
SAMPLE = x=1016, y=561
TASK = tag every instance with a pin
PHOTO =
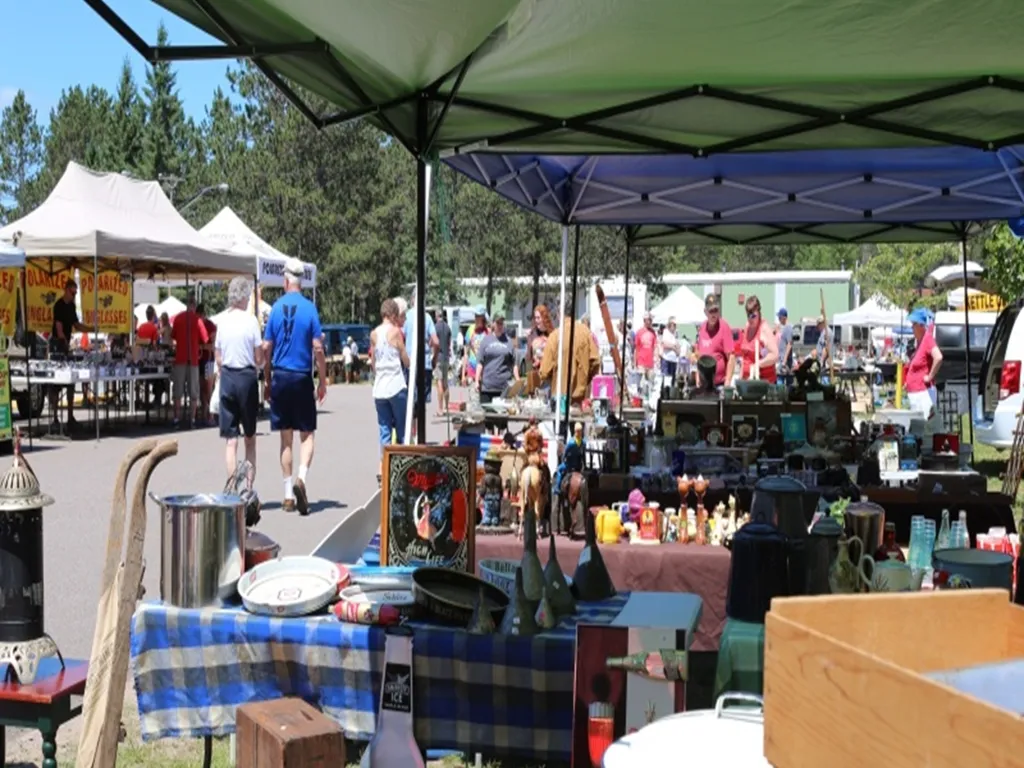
x=780, y=484
x=732, y=736
x=864, y=508
x=19, y=486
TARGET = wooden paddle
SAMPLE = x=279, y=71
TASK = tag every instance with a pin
x=122, y=579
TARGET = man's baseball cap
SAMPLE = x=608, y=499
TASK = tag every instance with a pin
x=480, y=311
x=711, y=301
x=783, y=313
x=294, y=267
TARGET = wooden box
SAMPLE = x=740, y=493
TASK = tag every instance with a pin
x=845, y=680
x=287, y=733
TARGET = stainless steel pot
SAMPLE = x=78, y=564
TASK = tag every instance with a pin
x=202, y=548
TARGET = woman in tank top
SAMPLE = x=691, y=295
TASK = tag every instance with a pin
x=389, y=360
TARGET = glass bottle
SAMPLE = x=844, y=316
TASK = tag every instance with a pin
x=942, y=538
x=394, y=742
x=664, y=664
x=889, y=548
x=965, y=540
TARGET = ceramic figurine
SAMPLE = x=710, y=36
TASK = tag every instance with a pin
x=844, y=578
x=672, y=532
x=545, y=615
x=491, y=492
x=518, y=618
x=732, y=505
x=702, y=525
x=591, y=581
x=481, y=623
x=683, y=484
x=691, y=524
x=717, y=526
x=632, y=532
x=557, y=588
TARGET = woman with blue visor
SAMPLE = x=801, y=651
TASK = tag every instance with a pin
x=924, y=365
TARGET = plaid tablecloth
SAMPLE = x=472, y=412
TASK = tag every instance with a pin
x=486, y=693
x=740, y=658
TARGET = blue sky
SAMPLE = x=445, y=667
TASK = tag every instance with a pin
x=49, y=45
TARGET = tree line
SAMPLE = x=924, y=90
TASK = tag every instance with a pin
x=344, y=198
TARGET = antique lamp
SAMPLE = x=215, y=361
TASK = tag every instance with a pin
x=23, y=641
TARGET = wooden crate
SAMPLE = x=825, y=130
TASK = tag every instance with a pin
x=287, y=733
x=844, y=681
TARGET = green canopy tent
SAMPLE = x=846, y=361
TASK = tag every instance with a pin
x=449, y=77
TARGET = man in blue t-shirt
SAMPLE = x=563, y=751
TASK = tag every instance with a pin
x=291, y=341
x=429, y=337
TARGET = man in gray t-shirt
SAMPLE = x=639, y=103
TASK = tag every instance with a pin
x=444, y=356
x=495, y=368
x=785, y=341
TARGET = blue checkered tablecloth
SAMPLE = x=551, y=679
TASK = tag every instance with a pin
x=488, y=693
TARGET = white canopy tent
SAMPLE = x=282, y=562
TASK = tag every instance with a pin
x=170, y=305
x=683, y=305
x=230, y=232
x=876, y=311
x=120, y=223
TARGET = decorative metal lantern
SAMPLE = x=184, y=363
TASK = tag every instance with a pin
x=23, y=640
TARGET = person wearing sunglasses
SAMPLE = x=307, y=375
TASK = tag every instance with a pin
x=714, y=338
x=757, y=348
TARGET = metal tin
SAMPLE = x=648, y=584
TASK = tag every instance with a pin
x=290, y=586
x=202, y=548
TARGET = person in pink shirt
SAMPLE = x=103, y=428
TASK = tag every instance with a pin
x=645, y=345
x=714, y=338
x=920, y=377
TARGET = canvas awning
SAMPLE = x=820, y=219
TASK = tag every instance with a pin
x=642, y=75
x=876, y=311
x=228, y=231
x=129, y=225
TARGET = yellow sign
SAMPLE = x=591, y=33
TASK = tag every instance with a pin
x=115, y=304
x=9, y=280
x=42, y=289
x=6, y=432
x=984, y=302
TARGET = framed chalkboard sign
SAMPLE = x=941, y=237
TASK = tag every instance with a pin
x=428, y=510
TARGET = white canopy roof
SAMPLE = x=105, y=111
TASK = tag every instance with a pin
x=11, y=256
x=230, y=232
x=127, y=223
x=877, y=310
x=954, y=273
x=683, y=305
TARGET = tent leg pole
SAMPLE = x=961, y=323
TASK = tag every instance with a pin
x=967, y=339
x=624, y=462
x=561, y=336
x=95, y=340
x=187, y=386
x=28, y=354
x=572, y=330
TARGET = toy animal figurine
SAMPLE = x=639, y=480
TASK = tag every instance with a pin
x=534, y=482
x=573, y=495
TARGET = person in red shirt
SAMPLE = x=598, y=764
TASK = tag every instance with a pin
x=756, y=343
x=714, y=338
x=645, y=346
x=148, y=333
x=207, y=374
x=188, y=332
x=924, y=365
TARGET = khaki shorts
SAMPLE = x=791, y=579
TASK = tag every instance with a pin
x=178, y=376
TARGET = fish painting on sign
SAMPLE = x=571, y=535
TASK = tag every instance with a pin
x=428, y=507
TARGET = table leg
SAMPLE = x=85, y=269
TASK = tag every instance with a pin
x=3, y=745
x=49, y=749
x=207, y=752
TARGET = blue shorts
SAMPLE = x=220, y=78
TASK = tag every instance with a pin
x=239, y=401
x=292, y=401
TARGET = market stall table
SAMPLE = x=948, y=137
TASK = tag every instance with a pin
x=700, y=570
x=511, y=696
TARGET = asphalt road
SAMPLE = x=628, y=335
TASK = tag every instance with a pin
x=80, y=476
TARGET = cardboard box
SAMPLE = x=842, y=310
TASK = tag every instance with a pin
x=845, y=680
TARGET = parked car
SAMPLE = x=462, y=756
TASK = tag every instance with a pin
x=951, y=339
x=998, y=397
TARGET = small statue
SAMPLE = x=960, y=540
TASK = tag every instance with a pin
x=717, y=525
x=672, y=532
x=491, y=492
x=534, y=482
x=572, y=485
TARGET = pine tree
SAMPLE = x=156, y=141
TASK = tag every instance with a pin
x=127, y=126
x=165, y=135
x=21, y=152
